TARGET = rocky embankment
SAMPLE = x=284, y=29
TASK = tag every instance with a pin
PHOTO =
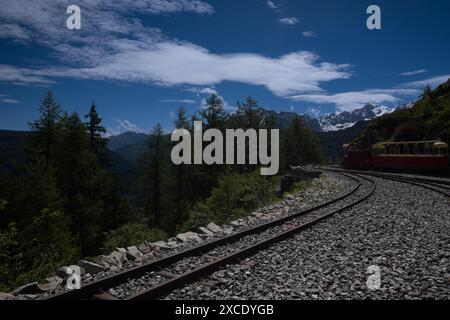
x=321, y=189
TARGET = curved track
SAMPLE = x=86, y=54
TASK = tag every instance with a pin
x=436, y=185
x=210, y=257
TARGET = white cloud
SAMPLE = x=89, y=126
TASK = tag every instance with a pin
x=171, y=64
x=271, y=4
x=123, y=126
x=309, y=34
x=289, y=21
x=433, y=82
x=207, y=90
x=18, y=75
x=113, y=46
x=170, y=6
x=413, y=73
x=183, y=101
x=226, y=105
x=10, y=101
x=314, y=112
x=349, y=101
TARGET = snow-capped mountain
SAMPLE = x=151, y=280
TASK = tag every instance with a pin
x=344, y=120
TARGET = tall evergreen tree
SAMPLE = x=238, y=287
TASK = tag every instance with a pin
x=254, y=117
x=84, y=182
x=153, y=166
x=96, y=134
x=45, y=128
x=214, y=113
x=302, y=145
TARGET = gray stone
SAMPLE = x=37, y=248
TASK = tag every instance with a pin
x=206, y=231
x=120, y=257
x=61, y=272
x=6, y=296
x=114, y=258
x=90, y=267
x=133, y=253
x=29, y=288
x=235, y=223
x=133, y=249
x=122, y=250
x=107, y=259
x=188, y=236
x=144, y=248
x=54, y=279
x=49, y=285
x=161, y=245
x=214, y=227
x=74, y=267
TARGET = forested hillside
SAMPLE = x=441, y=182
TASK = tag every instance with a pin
x=427, y=119
x=69, y=197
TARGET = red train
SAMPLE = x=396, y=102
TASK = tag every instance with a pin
x=413, y=155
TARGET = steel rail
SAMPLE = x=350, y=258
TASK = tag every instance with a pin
x=416, y=181
x=204, y=270
x=89, y=290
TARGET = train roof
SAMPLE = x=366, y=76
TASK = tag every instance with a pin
x=409, y=142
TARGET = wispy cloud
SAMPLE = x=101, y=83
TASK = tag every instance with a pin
x=200, y=91
x=171, y=64
x=309, y=34
x=17, y=75
x=115, y=47
x=413, y=73
x=314, y=112
x=433, y=82
x=348, y=101
x=9, y=101
x=271, y=4
x=183, y=101
x=124, y=126
x=289, y=21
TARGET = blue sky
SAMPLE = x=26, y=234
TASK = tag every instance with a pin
x=140, y=60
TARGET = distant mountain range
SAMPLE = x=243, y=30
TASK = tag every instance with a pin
x=12, y=151
x=333, y=130
x=125, y=149
x=426, y=118
x=332, y=122
x=345, y=120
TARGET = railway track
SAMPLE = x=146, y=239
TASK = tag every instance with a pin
x=436, y=185
x=158, y=278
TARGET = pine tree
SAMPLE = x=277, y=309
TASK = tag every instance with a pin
x=182, y=173
x=302, y=145
x=96, y=134
x=45, y=129
x=84, y=182
x=181, y=122
x=213, y=113
x=253, y=115
x=152, y=173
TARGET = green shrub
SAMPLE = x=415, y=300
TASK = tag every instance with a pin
x=33, y=253
x=235, y=196
x=132, y=233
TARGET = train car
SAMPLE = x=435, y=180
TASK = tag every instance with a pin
x=411, y=155
x=356, y=159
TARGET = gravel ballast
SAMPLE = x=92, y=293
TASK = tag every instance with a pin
x=403, y=230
